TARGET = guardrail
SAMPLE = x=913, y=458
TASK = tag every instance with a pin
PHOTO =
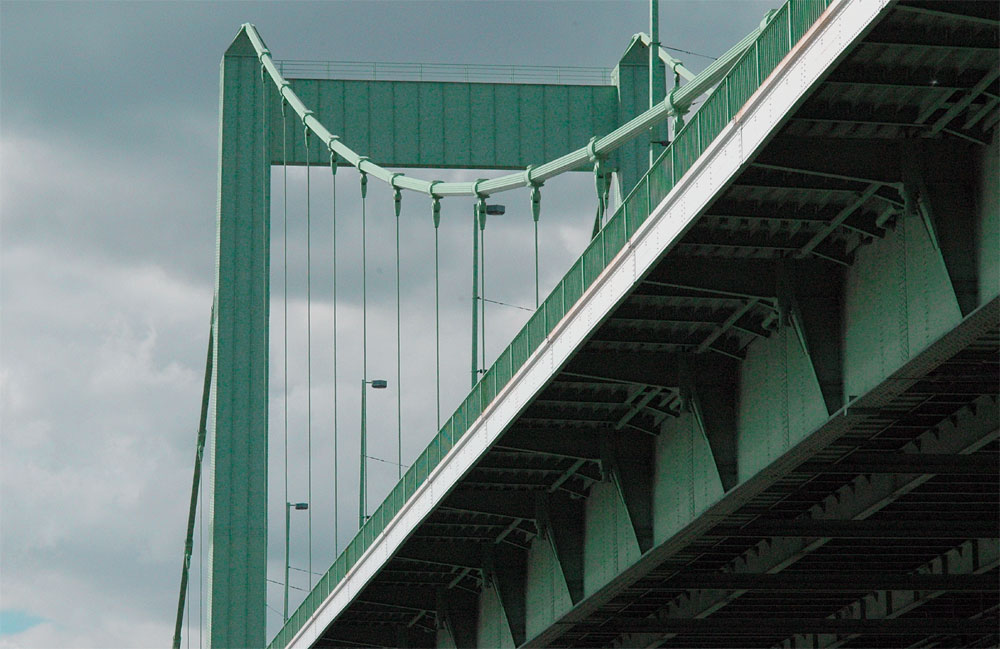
x=458, y=72
x=785, y=28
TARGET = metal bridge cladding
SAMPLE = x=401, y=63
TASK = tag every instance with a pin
x=772, y=419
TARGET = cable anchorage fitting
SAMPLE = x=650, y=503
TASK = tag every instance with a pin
x=536, y=196
x=536, y=202
x=397, y=193
x=333, y=154
x=435, y=204
x=480, y=203
x=364, y=178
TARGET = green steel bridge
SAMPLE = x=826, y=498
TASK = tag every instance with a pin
x=761, y=409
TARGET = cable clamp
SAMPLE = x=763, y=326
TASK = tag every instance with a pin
x=671, y=106
x=592, y=150
x=475, y=189
x=430, y=189
x=307, y=113
x=527, y=175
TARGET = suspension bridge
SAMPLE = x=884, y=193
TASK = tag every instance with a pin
x=760, y=410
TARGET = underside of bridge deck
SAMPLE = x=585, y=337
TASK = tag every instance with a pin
x=786, y=434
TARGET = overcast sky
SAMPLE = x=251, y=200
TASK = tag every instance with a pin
x=108, y=152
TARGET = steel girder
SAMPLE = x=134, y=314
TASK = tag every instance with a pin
x=859, y=347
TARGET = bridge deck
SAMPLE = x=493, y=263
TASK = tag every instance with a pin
x=771, y=419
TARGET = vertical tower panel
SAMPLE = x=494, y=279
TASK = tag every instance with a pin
x=238, y=485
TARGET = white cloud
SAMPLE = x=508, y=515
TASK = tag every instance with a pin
x=100, y=405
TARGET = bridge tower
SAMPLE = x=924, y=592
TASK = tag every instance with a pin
x=437, y=125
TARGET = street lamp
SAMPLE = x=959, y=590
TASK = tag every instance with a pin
x=378, y=384
x=288, y=510
x=479, y=213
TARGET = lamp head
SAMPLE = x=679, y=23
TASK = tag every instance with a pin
x=495, y=210
x=380, y=384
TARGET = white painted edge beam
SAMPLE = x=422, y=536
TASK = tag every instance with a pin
x=739, y=140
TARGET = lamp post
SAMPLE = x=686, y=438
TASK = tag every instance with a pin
x=378, y=384
x=288, y=510
x=479, y=215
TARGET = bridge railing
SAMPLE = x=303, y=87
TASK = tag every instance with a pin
x=458, y=72
x=785, y=28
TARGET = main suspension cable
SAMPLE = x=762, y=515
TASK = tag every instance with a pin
x=677, y=102
x=305, y=139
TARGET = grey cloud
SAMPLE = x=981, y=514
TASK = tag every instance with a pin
x=107, y=182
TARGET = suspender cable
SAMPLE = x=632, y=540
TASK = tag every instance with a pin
x=364, y=279
x=284, y=295
x=482, y=276
x=363, y=484
x=397, y=201
x=436, y=212
x=536, y=210
x=309, y=411
x=476, y=208
x=336, y=475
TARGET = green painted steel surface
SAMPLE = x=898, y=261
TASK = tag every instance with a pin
x=988, y=206
x=546, y=594
x=786, y=26
x=238, y=513
x=686, y=481
x=631, y=76
x=492, y=628
x=780, y=401
x=597, y=147
x=609, y=544
x=899, y=301
x=451, y=124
